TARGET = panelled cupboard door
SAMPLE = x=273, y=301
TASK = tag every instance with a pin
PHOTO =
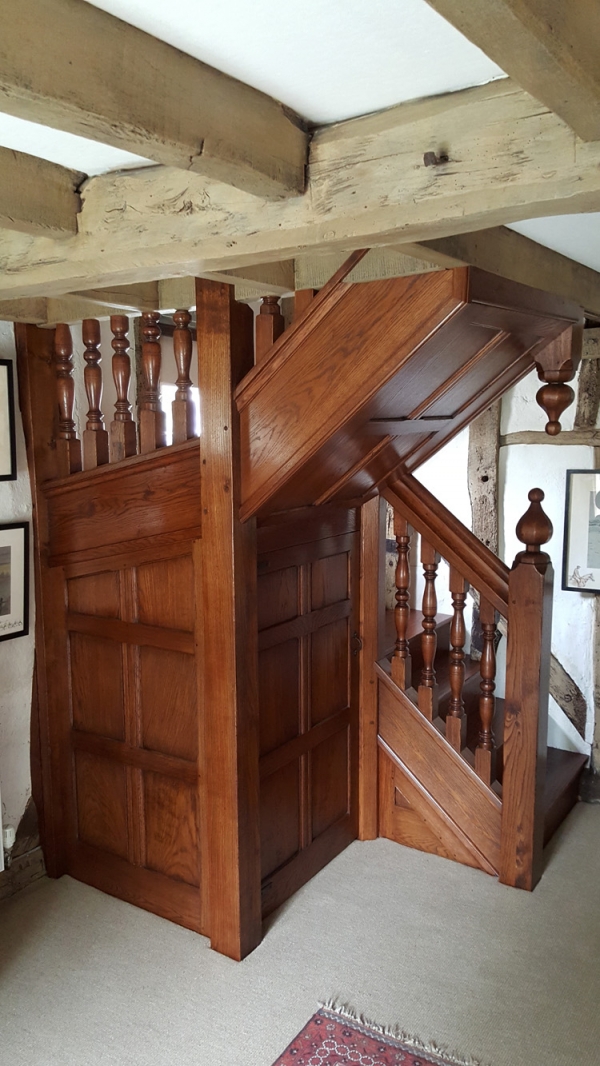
x=133, y=773
x=308, y=699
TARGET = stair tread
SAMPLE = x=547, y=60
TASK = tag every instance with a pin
x=415, y=627
x=562, y=767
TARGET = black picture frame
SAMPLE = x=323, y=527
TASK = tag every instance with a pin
x=8, y=447
x=14, y=580
x=581, y=545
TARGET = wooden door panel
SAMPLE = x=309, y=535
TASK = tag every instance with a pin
x=95, y=594
x=165, y=593
x=171, y=828
x=329, y=782
x=97, y=686
x=280, y=817
x=279, y=694
x=168, y=702
x=329, y=670
x=101, y=803
x=308, y=612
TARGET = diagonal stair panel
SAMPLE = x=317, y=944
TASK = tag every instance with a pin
x=444, y=776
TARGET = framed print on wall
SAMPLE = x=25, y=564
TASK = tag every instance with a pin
x=581, y=550
x=14, y=580
x=8, y=451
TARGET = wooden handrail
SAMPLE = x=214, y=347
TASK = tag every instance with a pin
x=450, y=537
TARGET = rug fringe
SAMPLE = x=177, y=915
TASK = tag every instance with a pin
x=342, y=1010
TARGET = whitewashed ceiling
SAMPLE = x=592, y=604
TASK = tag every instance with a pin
x=327, y=59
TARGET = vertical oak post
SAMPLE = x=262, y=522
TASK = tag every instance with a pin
x=302, y=300
x=526, y=709
x=184, y=412
x=270, y=325
x=485, y=754
x=151, y=418
x=227, y=589
x=372, y=609
x=456, y=723
x=123, y=441
x=95, y=437
x=426, y=693
x=68, y=448
x=401, y=659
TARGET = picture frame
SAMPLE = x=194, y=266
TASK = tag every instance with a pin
x=581, y=547
x=14, y=580
x=8, y=450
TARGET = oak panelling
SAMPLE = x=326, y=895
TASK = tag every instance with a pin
x=131, y=633
x=330, y=675
x=96, y=594
x=119, y=556
x=441, y=771
x=303, y=526
x=278, y=596
x=97, y=686
x=304, y=743
x=372, y=626
x=130, y=755
x=171, y=828
x=165, y=593
x=329, y=780
x=307, y=623
x=303, y=552
x=171, y=899
x=277, y=888
x=329, y=580
x=280, y=817
x=279, y=694
x=168, y=702
x=101, y=791
x=145, y=496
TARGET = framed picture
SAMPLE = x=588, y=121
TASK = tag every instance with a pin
x=8, y=451
x=14, y=580
x=581, y=550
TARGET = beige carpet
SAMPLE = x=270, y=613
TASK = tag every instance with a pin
x=512, y=979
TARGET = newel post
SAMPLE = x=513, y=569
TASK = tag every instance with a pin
x=526, y=710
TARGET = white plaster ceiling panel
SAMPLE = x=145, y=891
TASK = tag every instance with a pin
x=64, y=148
x=326, y=59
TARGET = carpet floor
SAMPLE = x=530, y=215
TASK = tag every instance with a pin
x=403, y=938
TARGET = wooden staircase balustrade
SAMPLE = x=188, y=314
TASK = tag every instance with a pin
x=485, y=762
x=68, y=447
x=269, y=326
x=184, y=411
x=123, y=436
x=401, y=659
x=426, y=693
x=456, y=725
x=152, y=423
x=95, y=436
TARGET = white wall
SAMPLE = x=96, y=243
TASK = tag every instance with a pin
x=16, y=655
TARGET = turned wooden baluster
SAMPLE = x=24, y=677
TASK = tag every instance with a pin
x=150, y=416
x=184, y=410
x=68, y=448
x=456, y=723
x=427, y=696
x=401, y=660
x=95, y=437
x=485, y=754
x=270, y=325
x=123, y=440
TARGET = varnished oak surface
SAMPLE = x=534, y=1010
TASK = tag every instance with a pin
x=436, y=347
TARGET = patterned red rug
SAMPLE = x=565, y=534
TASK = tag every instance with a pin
x=335, y=1038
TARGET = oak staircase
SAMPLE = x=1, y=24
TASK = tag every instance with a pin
x=369, y=382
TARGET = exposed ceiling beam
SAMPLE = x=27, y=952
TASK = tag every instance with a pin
x=125, y=88
x=37, y=197
x=141, y=297
x=511, y=255
x=368, y=185
x=550, y=47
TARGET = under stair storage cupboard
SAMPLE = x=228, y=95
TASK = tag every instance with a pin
x=223, y=704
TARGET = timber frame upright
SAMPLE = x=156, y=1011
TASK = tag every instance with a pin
x=228, y=694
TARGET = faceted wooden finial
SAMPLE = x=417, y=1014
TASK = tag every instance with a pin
x=534, y=529
x=556, y=364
